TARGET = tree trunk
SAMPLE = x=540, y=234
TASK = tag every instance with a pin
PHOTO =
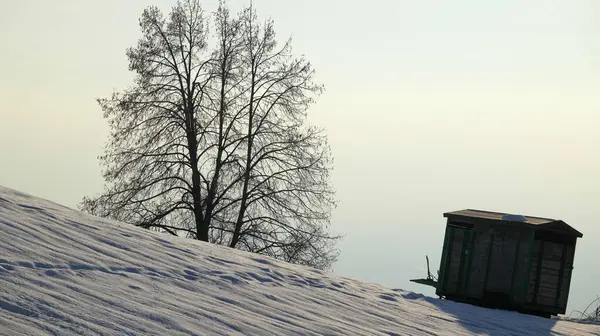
x=244, y=200
x=201, y=228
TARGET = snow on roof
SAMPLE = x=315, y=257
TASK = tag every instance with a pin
x=68, y=273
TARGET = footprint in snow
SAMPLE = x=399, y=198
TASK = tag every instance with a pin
x=190, y=275
x=412, y=296
x=337, y=285
x=232, y=279
x=262, y=261
x=42, y=265
x=220, y=262
x=387, y=297
x=226, y=300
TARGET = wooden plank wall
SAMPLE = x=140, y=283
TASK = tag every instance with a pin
x=506, y=250
x=506, y=257
x=504, y=247
x=550, y=273
x=521, y=264
x=548, y=259
x=535, y=256
x=479, y=261
x=452, y=270
x=567, y=273
x=509, y=265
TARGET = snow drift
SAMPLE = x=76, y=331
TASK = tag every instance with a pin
x=63, y=272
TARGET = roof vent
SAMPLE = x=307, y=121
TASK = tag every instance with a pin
x=514, y=218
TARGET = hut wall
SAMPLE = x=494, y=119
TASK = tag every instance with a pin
x=519, y=284
x=550, y=275
x=505, y=250
x=479, y=261
x=496, y=257
x=454, y=259
x=502, y=255
x=566, y=276
x=507, y=264
x=453, y=265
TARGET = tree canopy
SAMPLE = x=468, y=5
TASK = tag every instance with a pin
x=211, y=140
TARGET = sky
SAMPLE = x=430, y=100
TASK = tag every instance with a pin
x=430, y=106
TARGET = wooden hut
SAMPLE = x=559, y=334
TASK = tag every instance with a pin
x=507, y=261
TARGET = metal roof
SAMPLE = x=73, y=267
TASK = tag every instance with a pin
x=471, y=213
x=496, y=216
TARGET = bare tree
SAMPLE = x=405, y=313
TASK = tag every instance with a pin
x=214, y=144
x=151, y=161
x=284, y=193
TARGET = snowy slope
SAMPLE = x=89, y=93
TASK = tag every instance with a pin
x=67, y=273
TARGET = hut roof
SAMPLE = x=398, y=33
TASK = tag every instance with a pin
x=505, y=217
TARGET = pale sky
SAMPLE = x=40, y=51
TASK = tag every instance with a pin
x=430, y=106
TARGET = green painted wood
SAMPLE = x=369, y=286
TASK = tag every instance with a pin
x=489, y=260
x=561, y=273
x=514, y=268
x=528, y=269
x=469, y=263
x=441, y=283
x=448, y=255
x=461, y=265
x=538, y=271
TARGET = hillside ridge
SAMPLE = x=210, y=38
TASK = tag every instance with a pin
x=69, y=273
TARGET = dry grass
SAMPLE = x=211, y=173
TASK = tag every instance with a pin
x=591, y=314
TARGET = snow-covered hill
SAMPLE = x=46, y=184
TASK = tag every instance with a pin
x=63, y=272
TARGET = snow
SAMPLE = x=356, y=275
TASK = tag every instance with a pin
x=63, y=272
